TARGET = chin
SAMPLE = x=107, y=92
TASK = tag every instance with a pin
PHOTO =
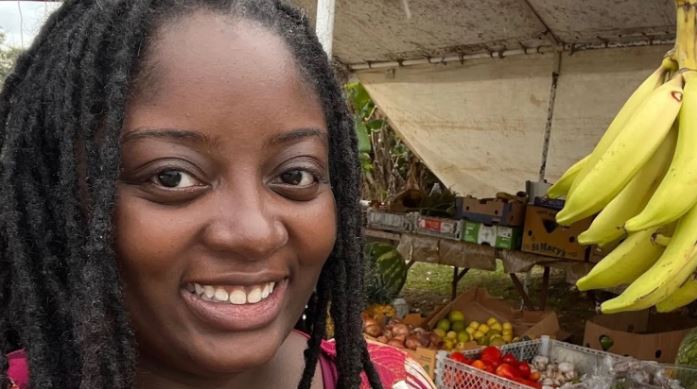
x=238, y=355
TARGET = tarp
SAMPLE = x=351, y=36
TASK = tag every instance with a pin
x=480, y=125
x=388, y=30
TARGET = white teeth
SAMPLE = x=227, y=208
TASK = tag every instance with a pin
x=221, y=294
x=238, y=296
x=265, y=291
x=254, y=295
x=209, y=291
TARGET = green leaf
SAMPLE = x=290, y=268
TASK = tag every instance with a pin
x=375, y=124
x=359, y=97
x=364, y=145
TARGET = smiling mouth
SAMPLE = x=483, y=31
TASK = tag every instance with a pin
x=236, y=295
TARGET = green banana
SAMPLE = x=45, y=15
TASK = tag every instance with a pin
x=608, y=226
x=563, y=184
x=674, y=266
x=631, y=149
x=686, y=294
x=625, y=263
x=677, y=193
x=653, y=81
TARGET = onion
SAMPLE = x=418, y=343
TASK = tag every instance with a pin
x=382, y=339
x=412, y=342
x=400, y=338
x=435, y=340
x=424, y=338
x=395, y=343
x=369, y=322
x=400, y=329
x=373, y=330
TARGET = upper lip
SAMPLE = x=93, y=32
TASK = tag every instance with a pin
x=239, y=278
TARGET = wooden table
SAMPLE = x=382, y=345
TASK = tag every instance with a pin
x=463, y=256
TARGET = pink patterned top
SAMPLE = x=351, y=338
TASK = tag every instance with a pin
x=396, y=370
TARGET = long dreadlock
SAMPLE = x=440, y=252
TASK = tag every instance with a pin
x=61, y=112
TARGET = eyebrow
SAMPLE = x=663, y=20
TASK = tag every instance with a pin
x=297, y=135
x=172, y=133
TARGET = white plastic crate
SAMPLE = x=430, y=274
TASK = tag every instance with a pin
x=454, y=375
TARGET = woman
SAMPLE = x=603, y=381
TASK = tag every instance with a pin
x=179, y=186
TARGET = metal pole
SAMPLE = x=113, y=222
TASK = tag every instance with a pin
x=325, y=24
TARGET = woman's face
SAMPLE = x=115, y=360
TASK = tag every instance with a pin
x=225, y=214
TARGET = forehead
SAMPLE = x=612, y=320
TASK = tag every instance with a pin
x=221, y=68
x=209, y=49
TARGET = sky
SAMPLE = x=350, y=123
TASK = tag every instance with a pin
x=21, y=30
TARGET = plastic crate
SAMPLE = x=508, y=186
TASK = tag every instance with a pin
x=454, y=375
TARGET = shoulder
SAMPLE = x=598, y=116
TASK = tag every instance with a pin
x=393, y=365
x=18, y=370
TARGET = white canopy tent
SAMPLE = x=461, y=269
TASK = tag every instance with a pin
x=490, y=93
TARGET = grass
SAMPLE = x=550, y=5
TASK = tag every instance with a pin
x=428, y=286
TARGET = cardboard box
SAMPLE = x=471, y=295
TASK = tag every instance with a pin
x=476, y=304
x=503, y=211
x=495, y=236
x=651, y=337
x=426, y=357
x=542, y=235
x=439, y=227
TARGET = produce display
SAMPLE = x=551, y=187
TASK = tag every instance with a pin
x=456, y=332
x=493, y=361
x=379, y=322
x=544, y=373
x=641, y=181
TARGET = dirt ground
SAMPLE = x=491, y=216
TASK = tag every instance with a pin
x=428, y=286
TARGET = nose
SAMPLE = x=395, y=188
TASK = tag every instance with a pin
x=245, y=225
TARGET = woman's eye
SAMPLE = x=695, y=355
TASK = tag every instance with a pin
x=175, y=179
x=298, y=178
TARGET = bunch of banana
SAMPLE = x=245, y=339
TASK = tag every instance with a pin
x=640, y=181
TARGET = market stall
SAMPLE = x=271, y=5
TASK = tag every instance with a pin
x=499, y=96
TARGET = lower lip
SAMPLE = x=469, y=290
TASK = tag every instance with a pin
x=232, y=317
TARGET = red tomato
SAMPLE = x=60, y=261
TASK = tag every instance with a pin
x=527, y=382
x=489, y=368
x=506, y=371
x=457, y=356
x=510, y=359
x=524, y=370
x=490, y=354
x=535, y=376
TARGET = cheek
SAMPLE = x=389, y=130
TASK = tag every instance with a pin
x=147, y=240
x=316, y=229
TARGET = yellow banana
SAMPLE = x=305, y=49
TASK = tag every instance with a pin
x=653, y=81
x=674, y=266
x=686, y=294
x=563, y=184
x=632, y=148
x=608, y=226
x=625, y=263
x=677, y=193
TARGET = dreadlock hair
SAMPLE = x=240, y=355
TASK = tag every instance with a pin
x=61, y=113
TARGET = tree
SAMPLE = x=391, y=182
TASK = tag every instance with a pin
x=8, y=56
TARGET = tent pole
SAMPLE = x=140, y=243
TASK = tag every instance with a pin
x=550, y=115
x=325, y=24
